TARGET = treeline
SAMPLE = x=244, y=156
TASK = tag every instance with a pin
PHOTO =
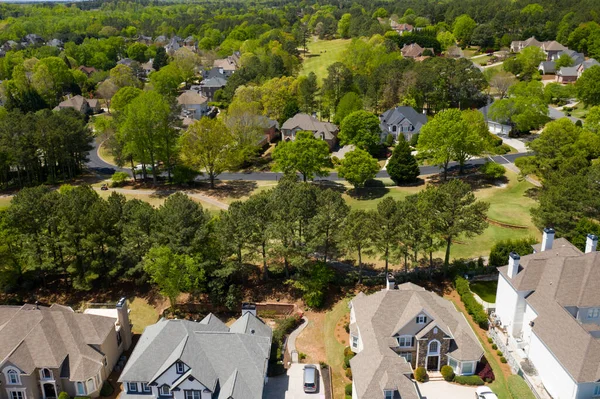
x=42, y=147
x=74, y=238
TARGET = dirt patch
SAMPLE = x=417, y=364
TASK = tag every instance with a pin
x=311, y=340
x=506, y=225
x=340, y=330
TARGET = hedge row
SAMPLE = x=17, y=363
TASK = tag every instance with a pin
x=471, y=380
x=473, y=307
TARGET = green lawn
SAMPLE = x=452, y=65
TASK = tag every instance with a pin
x=5, y=202
x=579, y=111
x=486, y=290
x=142, y=314
x=333, y=349
x=321, y=54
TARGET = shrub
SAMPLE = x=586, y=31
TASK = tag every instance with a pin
x=349, y=373
x=518, y=388
x=184, y=175
x=107, y=389
x=501, y=250
x=468, y=380
x=421, y=374
x=301, y=356
x=64, y=395
x=490, y=340
x=323, y=365
x=494, y=346
x=348, y=389
x=499, y=353
x=389, y=140
x=335, y=160
x=493, y=170
x=347, y=360
x=495, y=140
x=473, y=307
x=347, y=326
x=503, y=359
x=414, y=140
x=118, y=178
x=348, y=351
x=447, y=373
x=487, y=374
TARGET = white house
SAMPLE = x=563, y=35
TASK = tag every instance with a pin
x=182, y=359
x=548, y=307
x=400, y=328
x=494, y=125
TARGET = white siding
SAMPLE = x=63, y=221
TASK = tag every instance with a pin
x=354, y=394
x=556, y=380
x=529, y=316
x=506, y=301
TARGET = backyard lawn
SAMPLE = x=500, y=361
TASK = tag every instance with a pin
x=334, y=349
x=486, y=290
x=5, y=201
x=321, y=54
x=142, y=314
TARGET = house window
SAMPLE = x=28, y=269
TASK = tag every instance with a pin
x=388, y=394
x=180, y=367
x=17, y=395
x=405, y=341
x=132, y=387
x=597, y=390
x=407, y=356
x=119, y=338
x=354, y=341
x=467, y=368
x=91, y=386
x=394, y=128
x=434, y=347
x=192, y=394
x=146, y=388
x=452, y=363
x=435, y=330
x=46, y=374
x=104, y=361
x=421, y=319
x=12, y=376
x=593, y=313
x=80, y=388
x=165, y=391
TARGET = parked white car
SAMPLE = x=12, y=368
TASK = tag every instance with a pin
x=485, y=393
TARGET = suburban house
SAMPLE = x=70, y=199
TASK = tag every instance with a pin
x=147, y=40
x=403, y=120
x=271, y=130
x=173, y=46
x=303, y=122
x=227, y=65
x=183, y=359
x=84, y=105
x=191, y=43
x=548, y=316
x=160, y=40
x=87, y=70
x=414, y=51
x=400, y=328
x=56, y=43
x=208, y=87
x=585, y=65
x=193, y=104
x=148, y=67
x=48, y=350
x=567, y=75
x=401, y=28
x=494, y=125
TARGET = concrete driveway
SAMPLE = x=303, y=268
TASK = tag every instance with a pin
x=289, y=386
x=445, y=390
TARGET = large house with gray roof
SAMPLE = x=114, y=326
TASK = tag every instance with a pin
x=48, y=350
x=401, y=328
x=401, y=120
x=183, y=359
x=548, y=315
x=304, y=122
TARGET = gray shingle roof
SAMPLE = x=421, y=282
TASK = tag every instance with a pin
x=396, y=115
x=380, y=316
x=233, y=358
x=563, y=277
x=33, y=337
x=310, y=123
x=214, y=82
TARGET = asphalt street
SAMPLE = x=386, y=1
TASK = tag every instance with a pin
x=99, y=166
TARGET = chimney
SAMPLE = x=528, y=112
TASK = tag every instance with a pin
x=591, y=243
x=124, y=326
x=547, y=239
x=390, y=282
x=513, y=264
x=248, y=307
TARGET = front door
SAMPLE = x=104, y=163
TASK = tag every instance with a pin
x=433, y=363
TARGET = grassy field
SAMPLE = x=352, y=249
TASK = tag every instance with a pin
x=486, y=290
x=579, y=111
x=4, y=202
x=509, y=204
x=335, y=350
x=106, y=155
x=321, y=54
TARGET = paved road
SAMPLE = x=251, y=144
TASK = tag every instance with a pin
x=554, y=113
x=96, y=164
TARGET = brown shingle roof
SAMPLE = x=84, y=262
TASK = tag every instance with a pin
x=33, y=337
x=312, y=124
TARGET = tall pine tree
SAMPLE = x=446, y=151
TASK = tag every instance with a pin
x=402, y=167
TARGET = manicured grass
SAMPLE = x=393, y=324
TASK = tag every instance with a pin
x=106, y=155
x=486, y=290
x=579, y=111
x=321, y=54
x=142, y=314
x=5, y=202
x=157, y=201
x=368, y=198
x=335, y=350
x=519, y=388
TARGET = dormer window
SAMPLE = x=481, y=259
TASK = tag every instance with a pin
x=421, y=319
x=165, y=391
x=388, y=394
x=12, y=377
x=180, y=367
x=46, y=374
